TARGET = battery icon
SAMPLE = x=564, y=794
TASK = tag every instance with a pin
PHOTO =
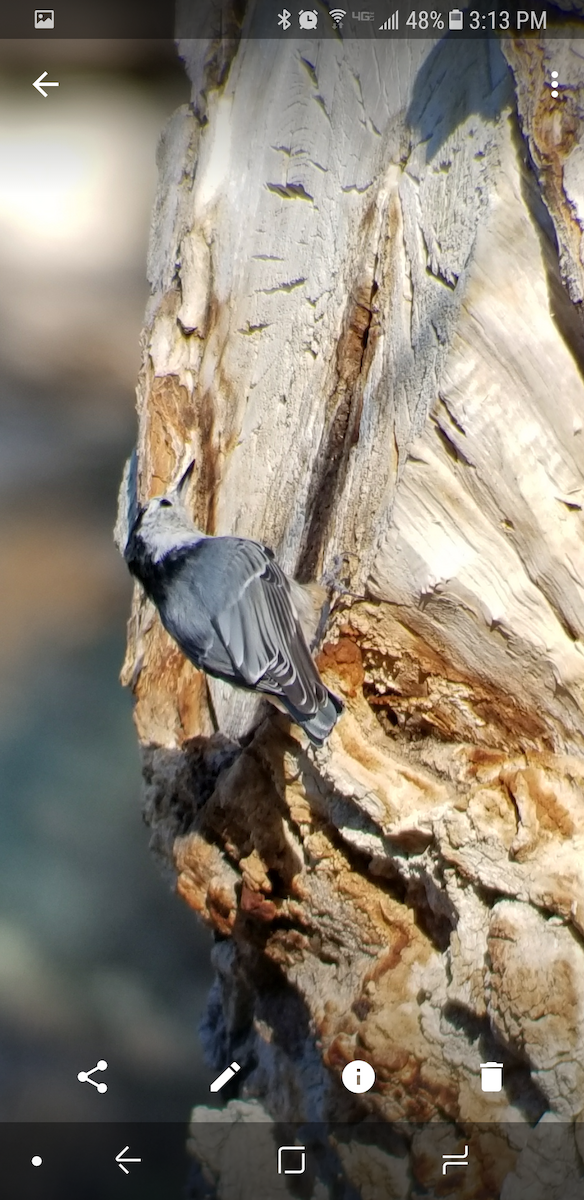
x=455, y=18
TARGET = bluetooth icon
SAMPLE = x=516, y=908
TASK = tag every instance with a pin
x=284, y=19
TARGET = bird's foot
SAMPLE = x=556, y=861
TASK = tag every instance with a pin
x=336, y=579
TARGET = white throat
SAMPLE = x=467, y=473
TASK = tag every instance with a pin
x=166, y=529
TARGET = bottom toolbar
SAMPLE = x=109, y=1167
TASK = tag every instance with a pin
x=237, y=1157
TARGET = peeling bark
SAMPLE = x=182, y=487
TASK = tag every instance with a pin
x=367, y=276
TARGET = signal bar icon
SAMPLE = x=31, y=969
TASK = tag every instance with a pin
x=392, y=22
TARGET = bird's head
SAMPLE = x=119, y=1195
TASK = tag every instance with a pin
x=164, y=523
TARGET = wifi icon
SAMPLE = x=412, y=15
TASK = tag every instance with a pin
x=337, y=15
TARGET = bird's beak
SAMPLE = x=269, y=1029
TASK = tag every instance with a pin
x=183, y=483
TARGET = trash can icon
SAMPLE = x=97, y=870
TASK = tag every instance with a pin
x=491, y=1076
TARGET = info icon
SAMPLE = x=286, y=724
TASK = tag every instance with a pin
x=358, y=1076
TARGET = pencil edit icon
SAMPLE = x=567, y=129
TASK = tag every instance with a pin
x=224, y=1077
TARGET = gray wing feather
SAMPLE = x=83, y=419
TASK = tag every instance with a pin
x=237, y=620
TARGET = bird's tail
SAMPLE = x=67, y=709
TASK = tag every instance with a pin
x=319, y=726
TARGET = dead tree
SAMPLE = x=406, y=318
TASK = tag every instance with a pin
x=367, y=283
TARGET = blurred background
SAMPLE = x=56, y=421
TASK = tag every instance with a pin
x=98, y=957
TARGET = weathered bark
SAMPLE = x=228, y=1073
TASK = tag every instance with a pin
x=367, y=273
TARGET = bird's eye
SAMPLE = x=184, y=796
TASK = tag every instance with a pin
x=166, y=504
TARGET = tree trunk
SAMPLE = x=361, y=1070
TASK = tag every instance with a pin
x=366, y=322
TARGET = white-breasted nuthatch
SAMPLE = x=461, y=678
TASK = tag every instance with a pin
x=231, y=609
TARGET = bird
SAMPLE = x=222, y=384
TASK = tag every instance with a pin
x=231, y=609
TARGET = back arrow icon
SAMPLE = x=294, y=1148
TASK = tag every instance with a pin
x=42, y=79
x=121, y=1160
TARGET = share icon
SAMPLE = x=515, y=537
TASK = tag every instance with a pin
x=85, y=1076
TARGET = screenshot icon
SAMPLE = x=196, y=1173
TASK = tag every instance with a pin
x=44, y=18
